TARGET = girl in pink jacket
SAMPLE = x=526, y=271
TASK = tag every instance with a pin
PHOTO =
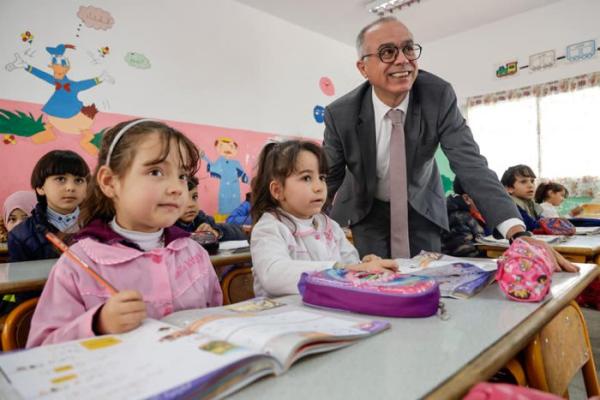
x=138, y=192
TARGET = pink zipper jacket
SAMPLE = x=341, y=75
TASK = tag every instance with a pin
x=177, y=277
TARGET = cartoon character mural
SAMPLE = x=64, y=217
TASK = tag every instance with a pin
x=64, y=111
x=230, y=172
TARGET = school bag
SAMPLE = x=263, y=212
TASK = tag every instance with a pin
x=525, y=272
x=388, y=295
x=555, y=226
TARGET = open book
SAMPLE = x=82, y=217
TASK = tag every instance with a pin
x=458, y=277
x=206, y=353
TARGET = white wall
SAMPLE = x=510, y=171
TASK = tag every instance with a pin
x=213, y=62
x=469, y=60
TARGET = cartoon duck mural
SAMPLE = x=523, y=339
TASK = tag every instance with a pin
x=64, y=111
x=229, y=171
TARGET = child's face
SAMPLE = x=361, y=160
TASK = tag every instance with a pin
x=64, y=193
x=150, y=195
x=15, y=218
x=524, y=188
x=556, y=198
x=191, y=209
x=305, y=191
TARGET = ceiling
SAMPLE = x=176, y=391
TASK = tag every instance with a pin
x=428, y=20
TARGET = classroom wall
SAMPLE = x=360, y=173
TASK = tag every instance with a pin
x=218, y=67
x=469, y=60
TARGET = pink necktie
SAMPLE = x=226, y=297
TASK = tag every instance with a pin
x=398, y=188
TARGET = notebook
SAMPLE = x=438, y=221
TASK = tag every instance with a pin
x=458, y=278
x=206, y=353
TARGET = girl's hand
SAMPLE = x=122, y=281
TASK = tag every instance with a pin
x=370, y=257
x=207, y=228
x=121, y=313
x=377, y=265
x=576, y=211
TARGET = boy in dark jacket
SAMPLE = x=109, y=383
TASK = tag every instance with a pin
x=519, y=181
x=60, y=180
x=194, y=219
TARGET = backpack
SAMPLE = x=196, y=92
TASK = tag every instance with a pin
x=555, y=226
x=388, y=295
x=525, y=272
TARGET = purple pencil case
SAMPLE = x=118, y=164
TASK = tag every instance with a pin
x=388, y=295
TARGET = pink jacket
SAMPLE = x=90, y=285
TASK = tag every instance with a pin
x=176, y=277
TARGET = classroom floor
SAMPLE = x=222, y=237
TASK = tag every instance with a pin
x=577, y=388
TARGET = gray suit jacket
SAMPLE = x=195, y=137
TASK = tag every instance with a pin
x=432, y=119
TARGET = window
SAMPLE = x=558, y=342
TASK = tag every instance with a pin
x=506, y=133
x=557, y=135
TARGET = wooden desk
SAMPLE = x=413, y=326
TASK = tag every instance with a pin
x=31, y=275
x=426, y=357
x=579, y=249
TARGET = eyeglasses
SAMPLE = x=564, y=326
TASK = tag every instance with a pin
x=389, y=53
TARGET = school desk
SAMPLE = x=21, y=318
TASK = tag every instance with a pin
x=426, y=357
x=31, y=275
x=582, y=249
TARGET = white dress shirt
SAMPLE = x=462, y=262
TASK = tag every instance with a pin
x=383, y=133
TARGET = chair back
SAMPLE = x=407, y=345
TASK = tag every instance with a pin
x=559, y=351
x=237, y=285
x=16, y=326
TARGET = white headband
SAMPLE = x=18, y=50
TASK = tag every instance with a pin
x=120, y=134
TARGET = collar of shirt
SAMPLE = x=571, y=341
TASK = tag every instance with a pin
x=380, y=108
x=146, y=240
x=62, y=221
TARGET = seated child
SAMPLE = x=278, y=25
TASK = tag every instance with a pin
x=466, y=224
x=17, y=208
x=241, y=215
x=519, y=181
x=195, y=220
x=291, y=234
x=138, y=191
x=549, y=196
x=60, y=181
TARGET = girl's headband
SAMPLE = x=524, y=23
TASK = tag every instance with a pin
x=120, y=134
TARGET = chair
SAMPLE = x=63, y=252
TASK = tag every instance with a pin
x=16, y=326
x=237, y=285
x=559, y=351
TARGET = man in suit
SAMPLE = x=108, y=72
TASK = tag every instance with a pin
x=357, y=144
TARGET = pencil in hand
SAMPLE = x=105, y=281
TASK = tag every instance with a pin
x=59, y=244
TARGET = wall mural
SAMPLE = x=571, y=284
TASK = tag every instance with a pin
x=234, y=152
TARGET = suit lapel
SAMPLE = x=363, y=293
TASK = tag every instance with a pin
x=412, y=128
x=365, y=130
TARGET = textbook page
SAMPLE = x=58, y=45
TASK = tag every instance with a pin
x=135, y=365
x=275, y=328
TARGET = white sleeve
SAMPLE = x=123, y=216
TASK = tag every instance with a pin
x=277, y=273
x=348, y=253
x=549, y=211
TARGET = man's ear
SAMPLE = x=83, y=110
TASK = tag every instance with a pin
x=276, y=190
x=107, y=181
x=362, y=68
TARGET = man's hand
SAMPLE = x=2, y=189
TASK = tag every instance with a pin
x=560, y=263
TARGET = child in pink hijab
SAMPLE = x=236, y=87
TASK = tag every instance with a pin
x=17, y=208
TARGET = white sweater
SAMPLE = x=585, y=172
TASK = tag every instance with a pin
x=549, y=211
x=280, y=255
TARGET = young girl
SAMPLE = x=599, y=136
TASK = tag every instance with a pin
x=549, y=196
x=291, y=234
x=17, y=208
x=60, y=180
x=138, y=192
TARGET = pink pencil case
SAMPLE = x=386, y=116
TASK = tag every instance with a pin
x=389, y=295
